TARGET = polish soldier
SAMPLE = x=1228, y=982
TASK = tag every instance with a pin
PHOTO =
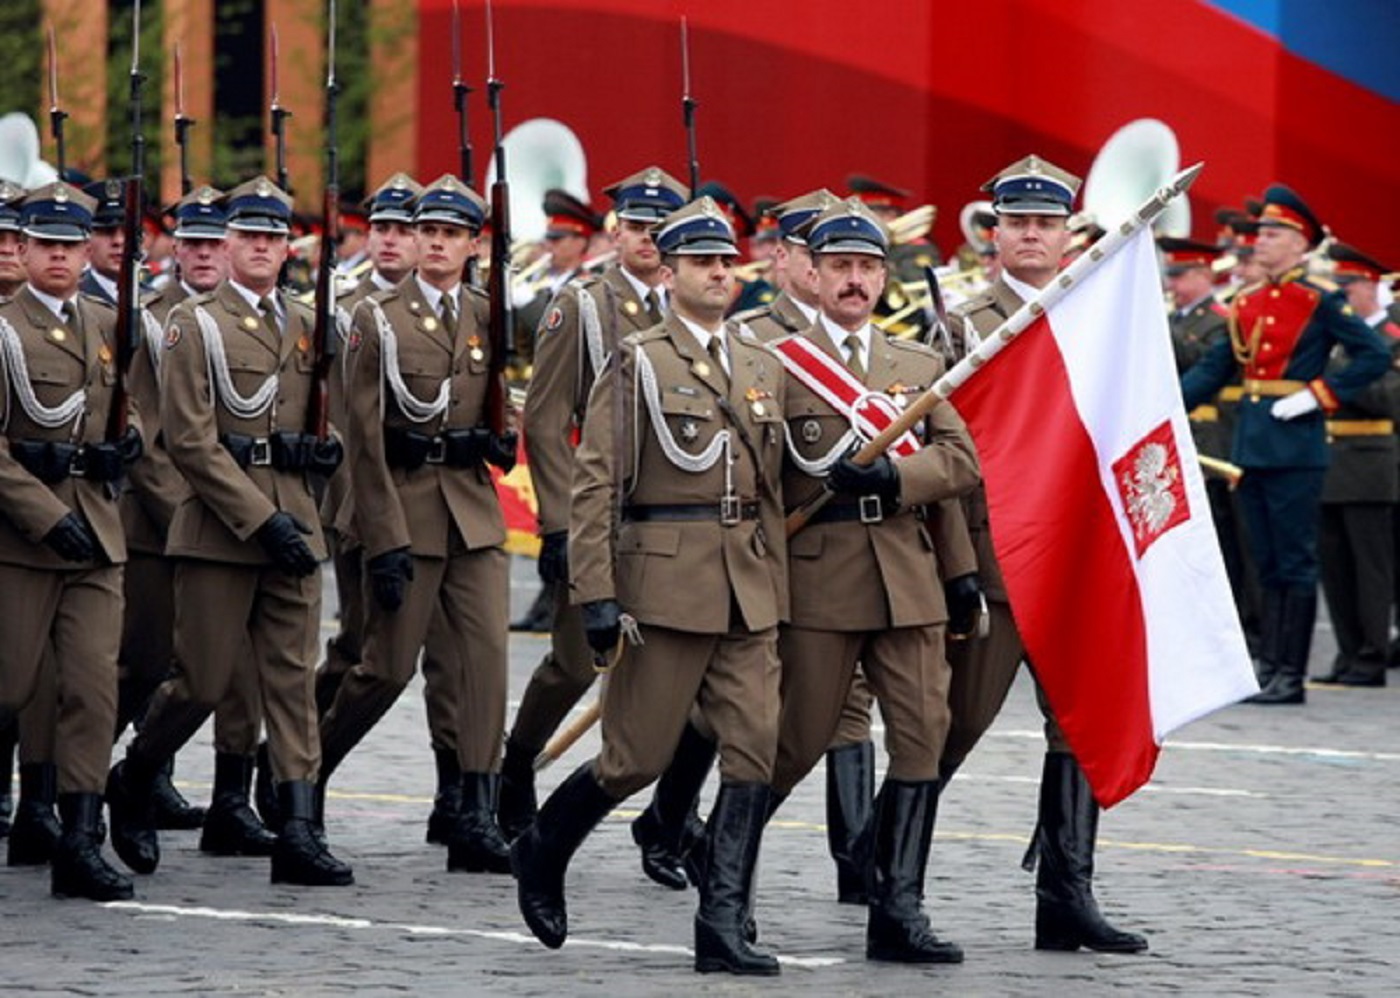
x=11, y=280
x=426, y=512
x=890, y=613
x=571, y=225
x=676, y=491
x=1282, y=334
x=795, y=307
x=156, y=489
x=1356, y=544
x=61, y=541
x=108, y=239
x=235, y=386
x=1032, y=200
x=579, y=332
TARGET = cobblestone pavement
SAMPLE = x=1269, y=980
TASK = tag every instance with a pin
x=1262, y=860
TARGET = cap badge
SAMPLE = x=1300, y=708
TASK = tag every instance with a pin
x=61, y=195
x=113, y=189
x=652, y=178
x=206, y=196
x=263, y=189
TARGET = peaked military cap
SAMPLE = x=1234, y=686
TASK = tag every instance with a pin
x=648, y=195
x=1180, y=255
x=1033, y=186
x=57, y=211
x=1354, y=265
x=794, y=215
x=393, y=201
x=450, y=202
x=199, y=214
x=110, y=195
x=11, y=194
x=876, y=193
x=258, y=205
x=730, y=204
x=701, y=228
x=568, y=216
x=1283, y=207
x=848, y=226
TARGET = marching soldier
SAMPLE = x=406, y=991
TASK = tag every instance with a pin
x=1282, y=333
x=890, y=613
x=229, y=826
x=426, y=512
x=235, y=385
x=571, y=226
x=108, y=239
x=1356, y=544
x=11, y=280
x=582, y=328
x=1032, y=200
x=690, y=468
x=61, y=541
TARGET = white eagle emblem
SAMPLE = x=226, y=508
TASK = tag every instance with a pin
x=1151, y=487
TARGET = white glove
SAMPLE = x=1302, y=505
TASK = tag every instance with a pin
x=1295, y=405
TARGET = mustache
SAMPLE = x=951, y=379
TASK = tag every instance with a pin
x=853, y=291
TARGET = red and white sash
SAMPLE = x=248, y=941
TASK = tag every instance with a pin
x=869, y=412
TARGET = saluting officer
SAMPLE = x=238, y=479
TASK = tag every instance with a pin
x=1282, y=333
x=1032, y=200
x=426, y=512
x=683, y=443
x=235, y=385
x=61, y=541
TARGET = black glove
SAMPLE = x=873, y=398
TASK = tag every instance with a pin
x=281, y=537
x=389, y=576
x=964, y=598
x=878, y=478
x=501, y=450
x=602, y=622
x=107, y=462
x=326, y=456
x=130, y=446
x=72, y=539
x=554, y=557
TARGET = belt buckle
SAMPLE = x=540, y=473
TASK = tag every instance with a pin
x=437, y=451
x=260, y=455
x=731, y=511
x=77, y=467
x=870, y=509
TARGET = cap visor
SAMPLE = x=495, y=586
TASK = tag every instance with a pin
x=1033, y=208
x=60, y=233
x=445, y=218
x=706, y=247
x=272, y=226
x=200, y=232
x=862, y=246
x=392, y=215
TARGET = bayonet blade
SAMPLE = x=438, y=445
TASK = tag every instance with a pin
x=456, y=44
x=136, y=39
x=179, y=86
x=490, y=45
x=53, y=72
x=330, y=46
x=276, y=90
x=685, y=59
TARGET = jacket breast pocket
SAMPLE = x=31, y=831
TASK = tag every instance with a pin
x=56, y=373
x=692, y=420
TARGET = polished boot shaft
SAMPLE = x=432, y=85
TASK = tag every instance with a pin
x=300, y=856
x=447, y=801
x=475, y=844
x=733, y=834
x=34, y=829
x=850, y=792
x=78, y=867
x=670, y=827
x=898, y=930
x=230, y=826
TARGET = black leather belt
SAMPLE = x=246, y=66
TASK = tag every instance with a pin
x=284, y=451
x=51, y=461
x=410, y=450
x=868, y=510
x=725, y=511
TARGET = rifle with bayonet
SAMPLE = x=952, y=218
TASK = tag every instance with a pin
x=688, y=106
x=56, y=113
x=498, y=286
x=128, y=327
x=323, y=345
x=460, y=90
x=183, y=123
x=279, y=116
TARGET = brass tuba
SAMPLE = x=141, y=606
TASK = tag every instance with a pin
x=1134, y=163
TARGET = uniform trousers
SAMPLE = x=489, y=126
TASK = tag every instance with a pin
x=237, y=624
x=38, y=721
x=1281, y=509
x=1358, y=569
x=560, y=680
x=732, y=678
x=909, y=673
x=68, y=622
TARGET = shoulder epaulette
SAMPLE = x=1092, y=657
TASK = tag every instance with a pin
x=479, y=292
x=913, y=346
x=1320, y=283
x=647, y=335
x=749, y=314
x=96, y=300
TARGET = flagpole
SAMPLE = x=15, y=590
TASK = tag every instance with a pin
x=1112, y=241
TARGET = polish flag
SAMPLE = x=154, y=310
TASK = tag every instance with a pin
x=1101, y=524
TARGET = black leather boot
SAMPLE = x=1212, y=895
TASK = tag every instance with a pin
x=476, y=844
x=34, y=830
x=671, y=827
x=79, y=870
x=517, y=806
x=733, y=833
x=230, y=827
x=1066, y=914
x=129, y=788
x=447, y=802
x=850, y=792
x=265, y=795
x=540, y=857
x=1270, y=618
x=169, y=807
x=300, y=855
x=9, y=741
x=898, y=931
x=1297, y=618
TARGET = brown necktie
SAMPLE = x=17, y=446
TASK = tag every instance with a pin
x=449, y=314
x=653, y=306
x=717, y=353
x=269, y=311
x=853, y=356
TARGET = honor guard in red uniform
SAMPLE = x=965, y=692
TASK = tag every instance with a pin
x=1283, y=332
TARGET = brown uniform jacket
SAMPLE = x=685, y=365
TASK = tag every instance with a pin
x=853, y=576
x=682, y=575
x=59, y=363
x=394, y=507
x=227, y=503
x=1193, y=334
x=563, y=378
x=336, y=508
x=773, y=321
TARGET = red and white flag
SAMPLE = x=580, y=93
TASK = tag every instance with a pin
x=1101, y=524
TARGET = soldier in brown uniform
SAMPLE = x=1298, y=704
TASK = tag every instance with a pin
x=61, y=541
x=1356, y=543
x=426, y=512
x=229, y=828
x=582, y=328
x=676, y=492
x=11, y=280
x=1032, y=199
x=236, y=381
x=571, y=225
